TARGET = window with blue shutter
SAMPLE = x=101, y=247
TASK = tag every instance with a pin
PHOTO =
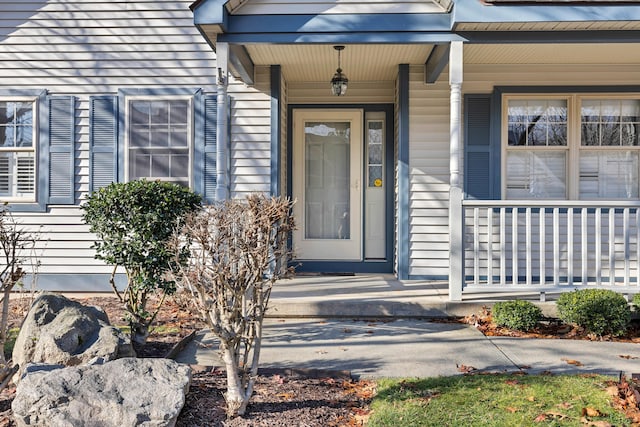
x=103, y=139
x=481, y=151
x=144, y=133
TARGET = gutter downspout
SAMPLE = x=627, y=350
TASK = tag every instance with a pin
x=222, y=133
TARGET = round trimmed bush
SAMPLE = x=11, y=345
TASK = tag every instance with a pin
x=600, y=311
x=518, y=314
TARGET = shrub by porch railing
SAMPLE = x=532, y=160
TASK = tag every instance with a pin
x=550, y=245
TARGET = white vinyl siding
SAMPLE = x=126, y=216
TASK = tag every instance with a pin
x=86, y=48
x=250, y=154
x=429, y=175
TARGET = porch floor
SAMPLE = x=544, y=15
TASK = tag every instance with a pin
x=378, y=295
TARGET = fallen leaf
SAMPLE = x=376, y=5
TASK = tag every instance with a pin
x=511, y=409
x=531, y=398
x=465, y=368
x=285, y=396
x=369, y=331
x=512, y=382
x=612, y=390
x=572, y=362
x=540, y=418
x=279, y=379
x=627, y=356
x=591, y=412
x=564, y=405
x=322, y=351
x=347, y=330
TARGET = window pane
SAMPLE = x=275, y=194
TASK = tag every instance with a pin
x=139, y=114
x=179, y=112
x=536, y=175
x=610, y=122
x=609, y=174
x=537, y=122
x=179, y=166
x=17, y=174
x=159, y=112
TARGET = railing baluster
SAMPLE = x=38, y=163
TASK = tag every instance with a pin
x=514, y=246
x=612, y=246
x=584, y=240
x=598, y=233
x=476, y=246
x=627, y=260
x=528, y=240
x=556, y=246
x=570, y=246
x=503, y=249
x=490, y=246
x=543, y=238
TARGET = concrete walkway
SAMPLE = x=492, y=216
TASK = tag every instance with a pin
x=416, y=348
x=377, y=326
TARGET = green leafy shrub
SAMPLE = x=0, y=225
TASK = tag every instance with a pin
x=518, y=314
x=134, y=222
x=636, y=301
x=600, y=311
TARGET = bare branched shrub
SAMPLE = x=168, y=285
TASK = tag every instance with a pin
x=16, y=246
x=238, y=251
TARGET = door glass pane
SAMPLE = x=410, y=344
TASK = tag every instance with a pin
x=327, y=180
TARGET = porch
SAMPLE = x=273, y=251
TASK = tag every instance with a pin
x=380, y=295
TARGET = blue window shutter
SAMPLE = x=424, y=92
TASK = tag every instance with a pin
x=205, y=147
x=480, y=153
x=103, y=137
x=61, y=149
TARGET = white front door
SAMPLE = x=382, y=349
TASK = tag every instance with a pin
x=327, y=175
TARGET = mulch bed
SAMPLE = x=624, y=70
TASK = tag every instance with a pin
x=280, y=398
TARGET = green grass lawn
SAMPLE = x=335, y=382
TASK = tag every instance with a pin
x=496, y=400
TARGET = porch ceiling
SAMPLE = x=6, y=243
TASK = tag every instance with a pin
x=568, y=53
x=317, y=63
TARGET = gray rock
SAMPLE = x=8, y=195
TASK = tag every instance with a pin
x=60, y=331
x=125, y=392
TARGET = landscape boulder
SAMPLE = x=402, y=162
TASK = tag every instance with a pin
x=61, y=331
x=121, y=393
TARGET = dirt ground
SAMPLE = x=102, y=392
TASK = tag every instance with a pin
x=280, y=398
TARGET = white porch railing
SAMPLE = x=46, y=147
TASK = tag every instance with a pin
x=549, y=245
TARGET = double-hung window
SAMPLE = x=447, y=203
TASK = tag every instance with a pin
x=17, y=149
x=159, y=138
x=574, y=146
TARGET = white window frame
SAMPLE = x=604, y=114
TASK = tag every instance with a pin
x=190, y=131
x=31, y=197
x=574, y=145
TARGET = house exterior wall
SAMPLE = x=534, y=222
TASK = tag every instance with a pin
x=250, y=141
x=429, y=176
x=86, y=48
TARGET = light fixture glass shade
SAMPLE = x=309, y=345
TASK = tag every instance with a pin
x=339, y=83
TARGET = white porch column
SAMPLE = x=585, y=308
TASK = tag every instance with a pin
x=456, y=235
x=222, y=148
